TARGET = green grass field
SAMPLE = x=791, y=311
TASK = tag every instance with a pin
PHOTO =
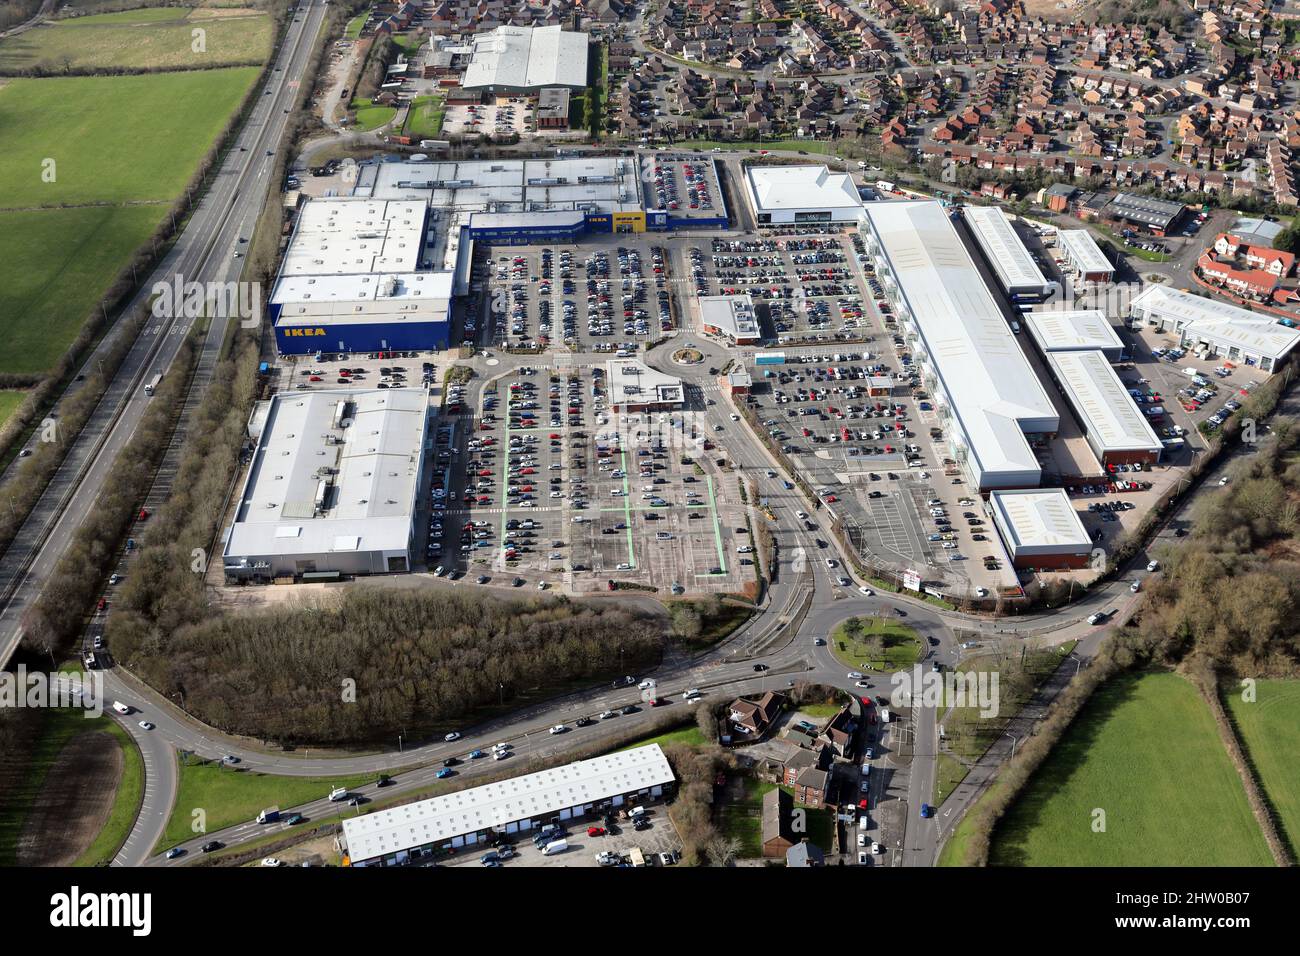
x=356, y=24
x=161, y=37
x=126, y=803
x=370, y=116
x=689, y=735
x=424, y=118
x=229, y=796
x=742, y=820
x=1145, y=750
x=9, y=398
x=852, y=645
x=112, y=139
x=118, y=150
x=1270, y=730
x=54, y=263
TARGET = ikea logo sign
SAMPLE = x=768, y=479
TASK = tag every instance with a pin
x=299, y=333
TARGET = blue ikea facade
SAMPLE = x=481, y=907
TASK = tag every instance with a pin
x=305, y=339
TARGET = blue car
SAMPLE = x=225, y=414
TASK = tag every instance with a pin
x=475, y=754
x=174, y=852
x=927, y=811
x=445, y=772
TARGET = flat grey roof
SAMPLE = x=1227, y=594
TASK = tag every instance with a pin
x=529, y=797
x=801, y=187
x=1220, y=322
x=1004, y=249
x=993, y=390
x=1083, y=250
x=1039, y=520
x=1112, y=421
x=527, y=58
x=1072, y=329
x=334, y=470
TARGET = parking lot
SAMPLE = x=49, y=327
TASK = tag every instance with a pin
x=586, y=297
x=555, y=489
x=875, y=456
x=609, y=840
x=806, y=287
x=504, y=116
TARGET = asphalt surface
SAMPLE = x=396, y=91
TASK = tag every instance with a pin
x=803, y=604
x=204, y=252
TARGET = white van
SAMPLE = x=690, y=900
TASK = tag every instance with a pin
x=554, y=847
x=121, y=708
x=338, y=793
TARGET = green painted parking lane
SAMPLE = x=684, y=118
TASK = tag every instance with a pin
x=717, y=529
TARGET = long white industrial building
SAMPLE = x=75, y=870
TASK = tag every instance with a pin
x=1220, y=328
x=981, y=381
x=1017, y=272
x=1041, y=528
x=1077, y=330
x=465, y=818
x=332, y=485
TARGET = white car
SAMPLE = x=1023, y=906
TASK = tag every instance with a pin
x=439, y=571
x=877, y=849
x=1135, y=587
x=146, y=725
x=735, y=417
x=801, y=515
x=866, y=590
x=862, y=683
x=454, y=735
x=558, y=729
x=862, y=858
x=832, y=563
x=271, y=861
x=1223, y=481
x=1153, y=566
x=855, y=675
x=862, y=838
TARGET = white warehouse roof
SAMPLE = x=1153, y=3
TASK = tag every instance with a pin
x=1112, y=421
x=1039, y=521
x=992, y=390
x=334, y=470
x=532, y=796
x=1005, y=251
x=1083, y=250
x=801, y=187
x=1218, y=321
x=340, y=236
x=423, y=295
x=527, y=58
x=1073, y=330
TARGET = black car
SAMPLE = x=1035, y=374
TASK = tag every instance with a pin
x=582, y=722
x=760, y=667
x=211, y=845
x=451, y=762
x=934, y=641
x=630, y=709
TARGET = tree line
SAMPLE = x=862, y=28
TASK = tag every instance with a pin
x=375, y=662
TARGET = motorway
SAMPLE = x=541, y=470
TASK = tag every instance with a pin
x=204, y=252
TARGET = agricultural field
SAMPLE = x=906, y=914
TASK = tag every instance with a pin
x=10, y=399
x=1145, y=751
x=1270, y=731
x=138, y=39
x=112, y=139
x=105, y=157
x=54, y=263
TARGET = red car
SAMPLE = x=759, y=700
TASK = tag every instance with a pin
x=144, y=513
x=595, y=831
x=103, y=603
x=315, y=378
